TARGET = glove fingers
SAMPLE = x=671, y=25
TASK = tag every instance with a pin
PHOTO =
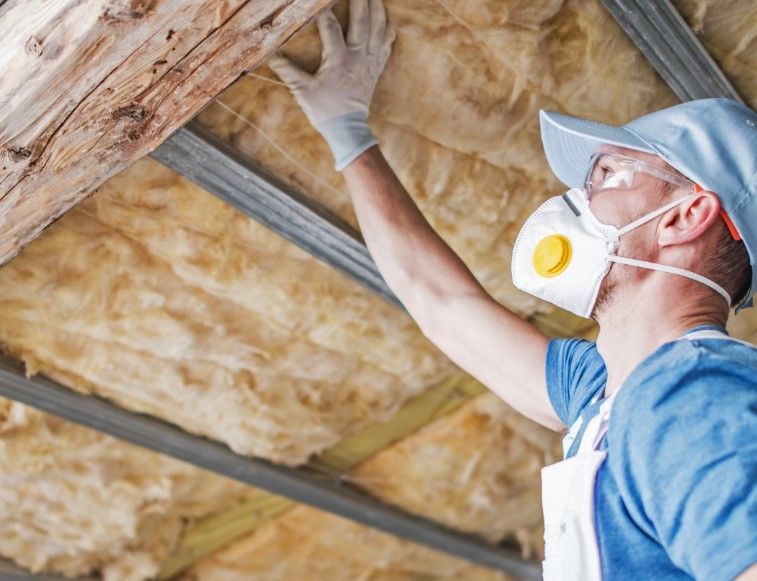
x=331, y=35
x=287, y=71
x=360, y=23
x=378, y=26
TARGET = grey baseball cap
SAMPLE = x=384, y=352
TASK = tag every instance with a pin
x=713, y=142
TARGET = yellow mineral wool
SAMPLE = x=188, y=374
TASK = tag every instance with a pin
x=73, y=500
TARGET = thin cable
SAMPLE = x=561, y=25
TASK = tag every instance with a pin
x=280, y=149
x=274, y=81
x=455, y=16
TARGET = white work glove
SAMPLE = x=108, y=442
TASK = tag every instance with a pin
x=336, y=98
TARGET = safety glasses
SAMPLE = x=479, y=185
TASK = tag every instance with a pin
x=612, y=170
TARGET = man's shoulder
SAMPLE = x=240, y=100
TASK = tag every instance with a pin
x=686, y=377
x=683, y=358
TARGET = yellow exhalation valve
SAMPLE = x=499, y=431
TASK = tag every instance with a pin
x=552, y=255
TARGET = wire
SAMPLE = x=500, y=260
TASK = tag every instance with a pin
x=279, y=148
x=455, y=16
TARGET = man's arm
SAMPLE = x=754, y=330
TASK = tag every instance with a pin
x=452, y=309
x=494, y=345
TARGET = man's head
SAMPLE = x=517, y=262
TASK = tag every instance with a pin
x=693, y=236
x=710, y=146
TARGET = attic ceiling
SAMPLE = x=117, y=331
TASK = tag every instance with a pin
x=158, y=296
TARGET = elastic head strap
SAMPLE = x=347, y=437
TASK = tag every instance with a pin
x=673, y=270
x=651, y=216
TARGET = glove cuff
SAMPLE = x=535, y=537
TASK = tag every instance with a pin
x=348, y=136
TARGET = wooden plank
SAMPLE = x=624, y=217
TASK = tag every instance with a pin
x=207, y=535
x=90, y=86
x=418, y=412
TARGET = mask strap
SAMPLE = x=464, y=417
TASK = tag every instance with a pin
x=673, y=270
x=651, y=216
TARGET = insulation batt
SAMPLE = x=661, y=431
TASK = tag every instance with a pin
x=477, y=470
x=456, y=112
x=160, y=297
x=166, y=300
x=73, y=500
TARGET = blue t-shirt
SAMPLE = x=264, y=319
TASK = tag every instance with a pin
x=677, y=496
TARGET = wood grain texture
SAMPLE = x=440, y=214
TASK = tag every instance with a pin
x=90, y=86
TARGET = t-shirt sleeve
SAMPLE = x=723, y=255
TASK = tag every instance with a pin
x=575, y=373
x=684, y=452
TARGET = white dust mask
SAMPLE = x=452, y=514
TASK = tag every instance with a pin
x=563, y=253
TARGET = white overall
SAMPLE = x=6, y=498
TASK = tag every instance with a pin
x=571, y=549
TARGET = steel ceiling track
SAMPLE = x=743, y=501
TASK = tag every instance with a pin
x=325, y=492
x=663, y=36
x=199, y=156
x=10, y=572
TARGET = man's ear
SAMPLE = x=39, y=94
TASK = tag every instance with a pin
x=689, y=220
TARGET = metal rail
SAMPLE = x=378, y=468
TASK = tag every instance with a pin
x=663, y=36
x=199, y=156
x=11, y=572
x=300, y=484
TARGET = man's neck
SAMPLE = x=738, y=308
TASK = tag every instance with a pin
x=635, y=325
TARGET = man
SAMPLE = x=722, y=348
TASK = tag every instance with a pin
x=656, y=240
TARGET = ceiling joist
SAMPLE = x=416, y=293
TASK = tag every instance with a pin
x=90, y=87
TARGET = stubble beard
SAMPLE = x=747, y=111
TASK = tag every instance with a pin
x=604, y=296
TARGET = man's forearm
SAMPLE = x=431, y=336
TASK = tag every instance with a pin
x=410, y=255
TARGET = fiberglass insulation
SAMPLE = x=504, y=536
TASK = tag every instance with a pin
x=163, y=298
x=160, y=297
x=73, y=500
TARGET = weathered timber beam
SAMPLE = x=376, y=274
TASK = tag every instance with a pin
x=90, y=86
x=300, y=484
x=663, y=36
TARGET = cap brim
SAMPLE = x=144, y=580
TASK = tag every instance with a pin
x=569, y=143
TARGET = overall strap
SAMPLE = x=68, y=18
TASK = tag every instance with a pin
x=597, y=426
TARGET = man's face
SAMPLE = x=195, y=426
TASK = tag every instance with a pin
x=621, y=206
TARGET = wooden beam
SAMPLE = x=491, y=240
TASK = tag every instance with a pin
x=90, y=86
x=211, y=533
